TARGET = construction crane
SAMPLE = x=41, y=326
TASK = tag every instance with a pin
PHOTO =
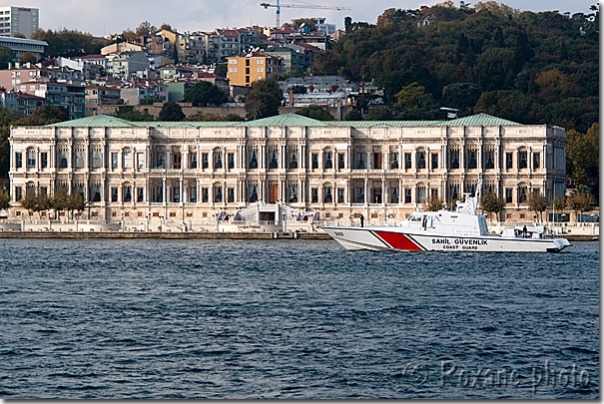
x=304, y=5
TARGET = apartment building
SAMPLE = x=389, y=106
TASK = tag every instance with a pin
x=228, y=43
x=21, y=46
x=196, y=170
x=255, y=66
x=97, y=96
x=128, y=65
x=19, y=20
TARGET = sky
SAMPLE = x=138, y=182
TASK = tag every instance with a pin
x=100, y=17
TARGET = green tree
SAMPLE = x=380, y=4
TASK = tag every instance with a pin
x=316, y=112
x=583, y=153
x=128, y=113
x=354, y=115
x=558, y=203
x=462, y=96
x=76, y=202
x=6, y=56
x=4, y=199
x=145, y=28
x=29, y=201
x=171, y=112
x=205, y=93
x=379, y=114
x=264, y=99
x=165, y=26
x=52, y=113
x=498, y=38
x=60, y=199
x=491, y=203
x=67, y=43
x=537, y=203
x=28, y=57
x=221, y=69
x=129, y=36
x=496, y=69
x=581, y=201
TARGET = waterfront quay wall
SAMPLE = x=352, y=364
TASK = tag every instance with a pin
x=154, y=235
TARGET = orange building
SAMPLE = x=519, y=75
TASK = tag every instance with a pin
x=244, y=70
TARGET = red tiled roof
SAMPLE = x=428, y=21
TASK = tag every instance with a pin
x=228, y=32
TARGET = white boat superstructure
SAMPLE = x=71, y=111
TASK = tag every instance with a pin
x=459, y=230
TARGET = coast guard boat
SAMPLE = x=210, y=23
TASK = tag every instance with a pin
x=445, y=230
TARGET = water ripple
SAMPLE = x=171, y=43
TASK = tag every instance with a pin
x=175, y=319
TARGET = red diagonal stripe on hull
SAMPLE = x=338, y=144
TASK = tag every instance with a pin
x=398, y=241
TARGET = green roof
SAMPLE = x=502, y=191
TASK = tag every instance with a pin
x=480, y=120
x=96, y=121
x=285, y=120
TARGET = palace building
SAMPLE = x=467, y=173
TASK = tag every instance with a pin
x=196, y=170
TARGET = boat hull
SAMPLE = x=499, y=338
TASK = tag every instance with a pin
x=401, y=239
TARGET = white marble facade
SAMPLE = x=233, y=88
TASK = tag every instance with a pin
x=194, y=172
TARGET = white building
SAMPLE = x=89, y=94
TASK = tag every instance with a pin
x=21, y=46
x=19, y=20
x=197, y=170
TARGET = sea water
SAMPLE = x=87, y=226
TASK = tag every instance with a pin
x=293, y=319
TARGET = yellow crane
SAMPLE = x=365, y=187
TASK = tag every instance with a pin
x=303, y=5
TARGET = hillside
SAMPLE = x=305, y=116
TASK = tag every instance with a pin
x=519, y=65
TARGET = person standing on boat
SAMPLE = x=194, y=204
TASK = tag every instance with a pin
x=524, y=231
x=362, y=220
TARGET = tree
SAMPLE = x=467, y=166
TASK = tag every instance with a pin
x=52, y=113
x=316, y=112
x=498, y=38
x=433, y=205
x=128, y=113
x=537, y=203
x=128, y=35
x=28, y=57
x=379, y=114
x=145, y=28
x=353, y=115
x=220, y=69
x=29, y=201
x=203, y=93
x=583, y=153
x=558, y=203
x=171, y=112
x=60, y=199
x=264, y=99
x=581, y=201
x=6, y=56
x=67, y=43
x=461, y=95
x=76, y=202
x=413, y=98
x=19, y=35
x=491, y=203
x=4, y=199
x=165, y=26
